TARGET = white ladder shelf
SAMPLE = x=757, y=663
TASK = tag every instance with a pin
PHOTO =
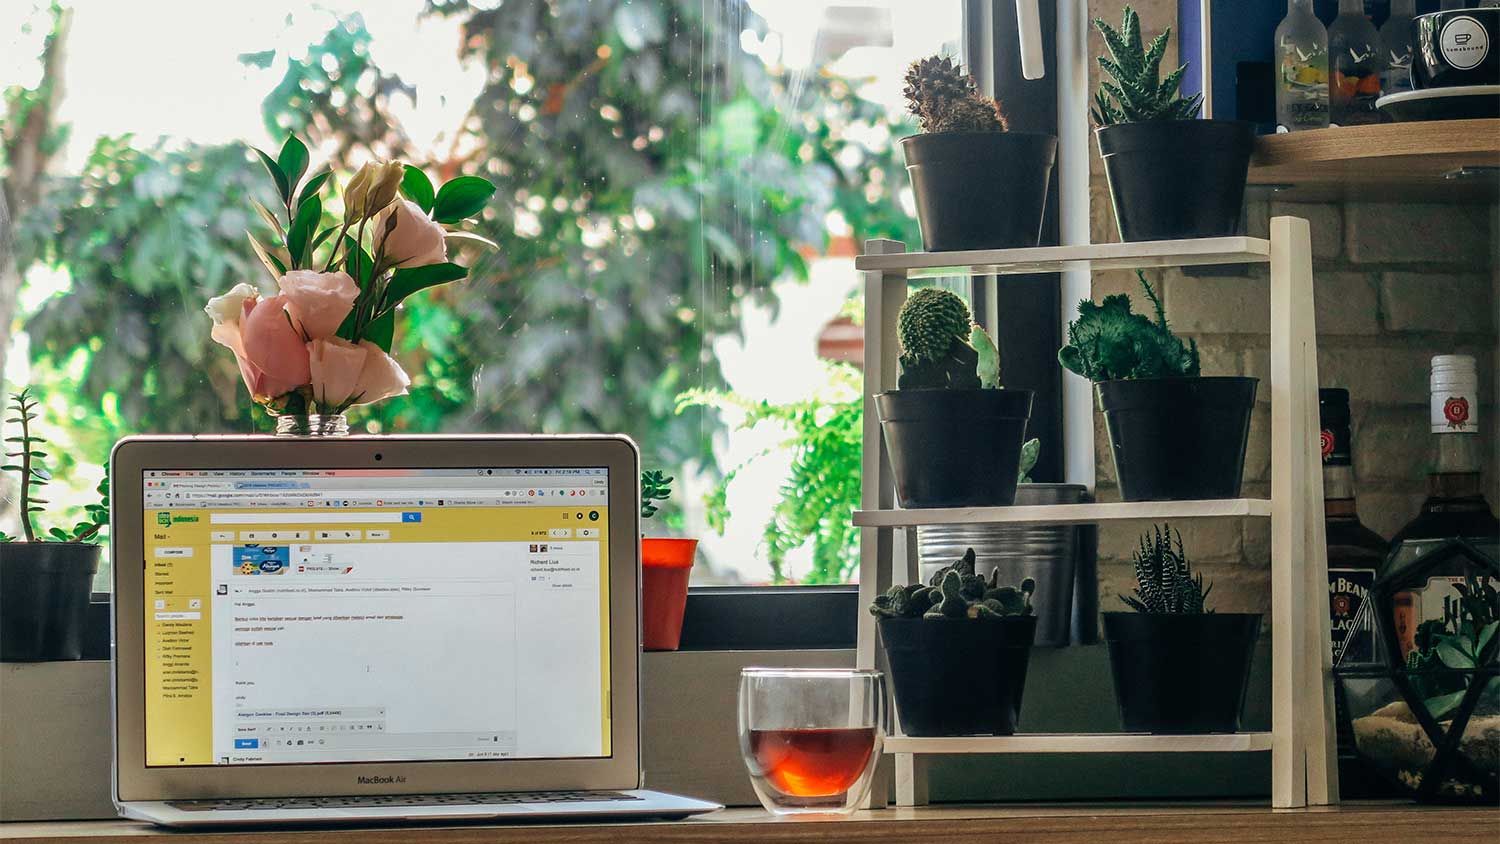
x=1301, y=740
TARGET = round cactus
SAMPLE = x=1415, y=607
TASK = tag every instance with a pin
x=931, y=321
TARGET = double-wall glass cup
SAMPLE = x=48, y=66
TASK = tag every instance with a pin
x=811, y=736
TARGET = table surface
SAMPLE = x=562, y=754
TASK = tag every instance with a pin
x=1061, y=823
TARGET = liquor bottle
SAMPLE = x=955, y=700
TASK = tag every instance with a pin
x=1354, y=556
x=1398, y=35
x=1355, y=62
x=1301, y=69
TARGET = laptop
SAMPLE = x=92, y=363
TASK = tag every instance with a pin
x=377, y=629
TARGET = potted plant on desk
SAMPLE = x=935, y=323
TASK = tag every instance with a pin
x=45, y=578
x=977, y=184
x=953, y=432
x=958, y=650
x=1175, y=435
x=1170, y=175
x=1178, y=666
x=666, y=565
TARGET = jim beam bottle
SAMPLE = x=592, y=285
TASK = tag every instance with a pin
x=1354, y=556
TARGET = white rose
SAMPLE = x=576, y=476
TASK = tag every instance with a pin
x=416, y=241
x=229, y=307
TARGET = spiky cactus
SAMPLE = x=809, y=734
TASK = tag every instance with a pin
x=956, y=591
x=1138, y=94
x=935, y=331
x=945, y=99
x=1165, y=584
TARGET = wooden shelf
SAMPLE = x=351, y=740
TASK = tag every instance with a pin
x=1387, y=162
x=1052, y=259
x=1082, y=743
x=1066, y=514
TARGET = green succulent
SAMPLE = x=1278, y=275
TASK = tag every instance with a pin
x=1031, y=451
x=1165, y=584
x=956, y=591
x=1447, y=649
x=1138, y=94
x=655, y=486
x=941, y=346
x=1109, y=343
x=24, y=458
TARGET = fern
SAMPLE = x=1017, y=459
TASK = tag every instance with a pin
x=1138, y=94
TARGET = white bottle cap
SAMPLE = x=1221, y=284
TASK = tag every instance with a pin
x=1455, y=394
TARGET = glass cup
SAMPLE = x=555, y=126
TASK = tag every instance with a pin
x=811, y=736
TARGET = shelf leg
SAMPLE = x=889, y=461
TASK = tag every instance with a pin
x=911, y=779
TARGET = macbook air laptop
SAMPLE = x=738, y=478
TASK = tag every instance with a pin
x=377, y=629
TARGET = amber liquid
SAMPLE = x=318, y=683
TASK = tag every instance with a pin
x=812, y=762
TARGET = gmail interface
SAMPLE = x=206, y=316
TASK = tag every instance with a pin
x=376, y=615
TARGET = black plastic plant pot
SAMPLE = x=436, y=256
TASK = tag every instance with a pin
x=979, y=190
x=44, y=599
x=1178, y=439
x=955, y=448
x=958, y=676
x=1173, y=179
x=1181, y=674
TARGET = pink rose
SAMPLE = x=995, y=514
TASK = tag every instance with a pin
x=345, y=374
x=272, y=347
x=381, y=376
x=416, y=241
x=318, y=302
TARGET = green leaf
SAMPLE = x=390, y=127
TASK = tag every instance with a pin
x=322, y=236
x=293, y=162
x=273, y=265
x=1453, y=657
x=406, y=282
x=37, y=454
x=382, y=330
x=462, y=197
x=261, y=59
x=270, y=219
x=1485, y=635
x=418, y=188
x=353, y=250
x=313, y=185
x=1443, y=705
x=309, y=214
x=279, y=175
x=459, y=235
x=60, y=534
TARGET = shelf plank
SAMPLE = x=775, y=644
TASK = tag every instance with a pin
x=1052, y=259
x=1384, y=162
x=1082, y=743
x=1066, y=514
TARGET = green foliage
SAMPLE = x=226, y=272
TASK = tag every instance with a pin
x=941, y=346
x=34, y=475
x=1108, y=342
x=822, y=486
x=1448, y=649
x=1138, y=94
x=945, y=99
x=956, y=591
x=1165, y=584
x=1031, y=451
x=655, y=486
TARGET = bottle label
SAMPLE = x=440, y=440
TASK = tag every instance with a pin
x=1437, y=603
x=1351, y=630
x=1333, y=441
x=1464, y=42
x=1454, y=412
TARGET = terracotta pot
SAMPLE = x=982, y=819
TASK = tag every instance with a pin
x=666, y=565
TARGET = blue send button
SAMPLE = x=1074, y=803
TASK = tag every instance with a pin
x=246, y=743
x=411, y=517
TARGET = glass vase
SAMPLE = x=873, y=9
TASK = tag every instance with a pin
x=313, y=425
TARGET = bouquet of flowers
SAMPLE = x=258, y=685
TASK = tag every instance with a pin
x=322, y=343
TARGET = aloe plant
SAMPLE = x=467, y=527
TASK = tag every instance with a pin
x=1138, y=93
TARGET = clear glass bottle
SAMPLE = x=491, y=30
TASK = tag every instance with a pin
x=1398, y=36
x=1355, y=62
x=1301, y=69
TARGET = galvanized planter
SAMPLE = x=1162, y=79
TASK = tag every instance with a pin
x=1048, y=553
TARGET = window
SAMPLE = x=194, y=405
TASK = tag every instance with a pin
x=682, y=186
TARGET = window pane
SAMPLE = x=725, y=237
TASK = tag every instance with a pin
x=681, y=188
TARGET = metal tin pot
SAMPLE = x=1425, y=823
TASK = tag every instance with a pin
x=1047, y=553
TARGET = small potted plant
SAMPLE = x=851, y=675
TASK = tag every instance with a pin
x=958, y=648
x=977, y=185
x=1178, y=666
x=47, y=576
x=1175, y=434
x=666, y=565
x=1170, y=175
x=953, y=432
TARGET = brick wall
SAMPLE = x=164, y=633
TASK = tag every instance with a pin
x=1395, y=284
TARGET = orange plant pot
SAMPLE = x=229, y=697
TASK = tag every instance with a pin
x=666, y=565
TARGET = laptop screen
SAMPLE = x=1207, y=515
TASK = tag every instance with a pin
x=354, y=615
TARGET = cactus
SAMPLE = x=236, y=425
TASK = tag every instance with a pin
x=1138, y=94
x=941, y=347
x=945, y=99
x=956, y=591
x=1031, y=450
x=1165, y=584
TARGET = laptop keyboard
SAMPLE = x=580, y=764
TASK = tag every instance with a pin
x=498, y=798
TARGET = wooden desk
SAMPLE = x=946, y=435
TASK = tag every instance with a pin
x=1184, y=823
